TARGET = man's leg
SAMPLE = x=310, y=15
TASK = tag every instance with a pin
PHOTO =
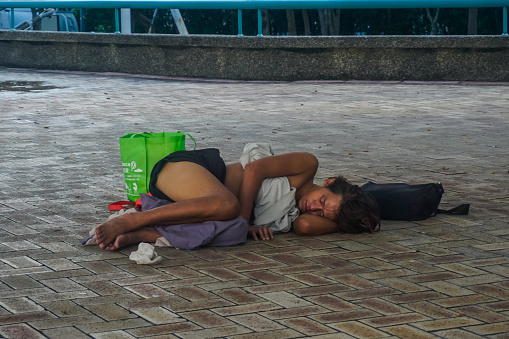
x=198, y=196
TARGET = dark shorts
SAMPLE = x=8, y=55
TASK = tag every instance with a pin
x=208, y=158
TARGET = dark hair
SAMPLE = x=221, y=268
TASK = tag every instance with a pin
x=358, y=212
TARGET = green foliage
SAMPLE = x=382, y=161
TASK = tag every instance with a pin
x=99, y=20
x=451, y=21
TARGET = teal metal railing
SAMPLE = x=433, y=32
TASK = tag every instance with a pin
x=254, y=4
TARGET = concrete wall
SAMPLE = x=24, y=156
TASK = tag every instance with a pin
x=427, y=58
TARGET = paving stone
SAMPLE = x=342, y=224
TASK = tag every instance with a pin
x=65, y=322
x=256, y=322
x=267, y=277
x=110, y=311
x=249, y=308
x=20, y=331
x=294, y=312
x=332, y=302
x=311, y=279
x=486, y=329
x=478, y=279
x=447, y=288
x=367, y=293
x=275, y=287
x=315, y=290
x=148, y=290
x=21, y=262
x=242, y=283
x=498, y=305
x=456, y=333
x=163, y=329
x=158, y=315
x=300, y=268
x=397, y=319
x=62, y=285
x=355, y=315
x=307, y=326
x=285, y=299
x=51, y=274
x=216, y=332
x=113, y=335
x=492, y=290
x=32, y=293
x=21, y=282
x=113, y=325
x=406, y=331
x=440, y=324
x=382, y=306
x=46, y=297
x=274, y=334
x=482, y=314
x=64, y=333
x=359, y=330
x=401, y=284
x=65, y=308
x=431, y=310
x=20, y=305
x=419, y=278
x=60, y=264
x=416, y=296
x=238, y=296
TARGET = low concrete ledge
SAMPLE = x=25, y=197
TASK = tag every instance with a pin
x=423, y=58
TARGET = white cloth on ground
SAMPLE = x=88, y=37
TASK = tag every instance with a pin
x=145, y=254
x=275, y=204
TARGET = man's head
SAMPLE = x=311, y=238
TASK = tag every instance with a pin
x=358, y=211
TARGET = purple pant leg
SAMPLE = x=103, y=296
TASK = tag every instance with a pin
x=210, y=233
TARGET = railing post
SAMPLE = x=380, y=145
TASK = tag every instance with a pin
x=239, y=20
x=260, y=22
x=12, y=19
x=117, y=22
x=504, y=21
x=82, y=19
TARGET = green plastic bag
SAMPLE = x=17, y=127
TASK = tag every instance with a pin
x=139, y=153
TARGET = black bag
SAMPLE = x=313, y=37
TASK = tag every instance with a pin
x=410, y=202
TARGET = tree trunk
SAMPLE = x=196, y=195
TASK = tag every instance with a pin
x=329, y=21
x=433, y=18
x=323, y=21
x=265, y=22
x=335, y=20
x=142, y=19
x=307, y=27
x=290, y=17
x=472, y=21
x=389, y=20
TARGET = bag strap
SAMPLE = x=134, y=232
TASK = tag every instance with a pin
x=459, y=210
x=134, y=135
x=119, y=205
x=189, y=135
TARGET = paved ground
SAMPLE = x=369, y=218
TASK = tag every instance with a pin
x=444, y=277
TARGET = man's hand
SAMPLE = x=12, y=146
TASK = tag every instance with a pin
x=264, y=232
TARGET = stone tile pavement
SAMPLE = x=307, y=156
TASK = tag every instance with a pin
x=446, y=277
